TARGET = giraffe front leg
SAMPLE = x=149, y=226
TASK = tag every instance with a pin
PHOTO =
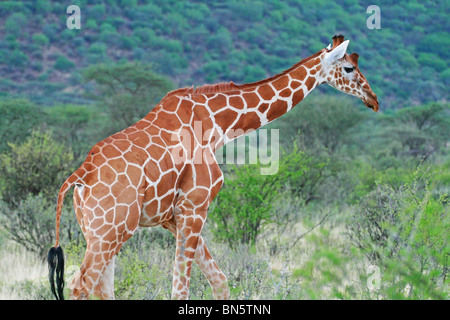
x=215, y=276
x=188, y=227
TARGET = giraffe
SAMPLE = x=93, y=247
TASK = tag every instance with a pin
x=161, y=171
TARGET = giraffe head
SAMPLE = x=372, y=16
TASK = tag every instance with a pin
x=340, y=70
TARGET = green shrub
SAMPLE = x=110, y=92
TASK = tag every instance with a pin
x=137, y=278
x=73, y=125
x=404, y=231
x=19, y=118
x=31, y=223
x=131, y=84
x=63, y=64
x=40, y=39
x=15, y=23
x=31, y=175
x=37, y=166
x=17, y=59
x=248, y=198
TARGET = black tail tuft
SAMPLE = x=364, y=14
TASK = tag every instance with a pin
x=56, y=264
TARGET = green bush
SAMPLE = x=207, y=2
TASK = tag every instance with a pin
x=37, y=166
x=404, y=231
x=137, y=280
x=247, y=201
x=76, y=126
x=19, y=118
x=420, y=130
x=30, y=222
x=17, y=59
x=31, y=174
x=63, y=64
x=131, y=84
x=15, y=23
x=40, y=39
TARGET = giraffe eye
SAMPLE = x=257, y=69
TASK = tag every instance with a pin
x=349, y=69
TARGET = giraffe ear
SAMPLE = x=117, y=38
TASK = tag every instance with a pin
x=354, y=57
x=337, y=53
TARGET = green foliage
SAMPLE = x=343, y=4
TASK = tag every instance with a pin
x=11, y=6
x=74, y=125
x=19, y=118
x=324, y=273
x=324, y=122
x=40, y=39
x=403, y=60
x=31, y=174
x=36, y=166
x=29, y=222
x=137, y=280
x=134, y=85
x=244, y=205
x=63, y=64
x=247, y=201
x=365, y=177
x=405, y=231
x=420, y=130
x=15, y=23
x=17, y=59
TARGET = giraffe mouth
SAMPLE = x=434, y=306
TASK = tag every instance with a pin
x=372, y=103
x=374, y=107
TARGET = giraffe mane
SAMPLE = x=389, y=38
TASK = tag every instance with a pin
x=207, y=88
x=231, y=86
x=295, y=66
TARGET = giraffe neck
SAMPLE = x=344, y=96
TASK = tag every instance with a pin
x=259, y=103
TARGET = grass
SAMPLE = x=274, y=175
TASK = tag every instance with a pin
x=144, y=269
x=19, y=268
x=301, y=260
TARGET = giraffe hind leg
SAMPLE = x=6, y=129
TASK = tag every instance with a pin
x=95, y=279
x=106, y=229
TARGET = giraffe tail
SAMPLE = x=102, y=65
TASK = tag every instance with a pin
x=56, y=264
x=55, y=257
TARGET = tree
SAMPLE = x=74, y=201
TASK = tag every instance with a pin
x=17, y=59
x=405, y=231
x=18, y=118
x=30, y=176
x=419, y=129
x=129, y=90
x=73, y=125
x=15, y=23
x=37, y=166
x=40, y=39
x=323, y=121
x=247, y=201
x=63, y=64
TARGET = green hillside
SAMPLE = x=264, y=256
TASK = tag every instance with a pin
x=197, y=42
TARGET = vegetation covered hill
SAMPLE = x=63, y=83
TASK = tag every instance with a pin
x=196, y=42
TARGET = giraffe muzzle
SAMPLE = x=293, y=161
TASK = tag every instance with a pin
x=372, y=102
